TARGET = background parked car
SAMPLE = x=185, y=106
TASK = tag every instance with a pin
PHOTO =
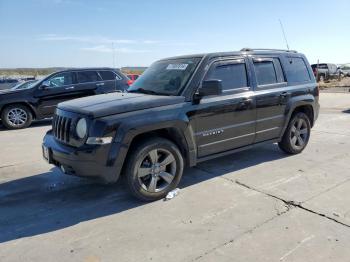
x=345, y=70
x=20, y=106
x=6, y=83
x=325, y=71
x=28, y=78
x=132, y=78
x=24, y=85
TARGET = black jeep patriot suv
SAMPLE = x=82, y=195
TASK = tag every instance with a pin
x=182, y=111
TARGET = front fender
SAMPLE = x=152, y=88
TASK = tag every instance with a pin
x=128, y=130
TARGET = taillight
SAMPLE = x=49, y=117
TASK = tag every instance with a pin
x=130, y=82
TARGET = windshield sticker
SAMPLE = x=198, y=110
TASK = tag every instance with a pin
x=177, y=67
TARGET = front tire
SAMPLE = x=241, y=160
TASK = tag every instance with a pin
x=297, y=134
x=16, y=117
x=154, y=168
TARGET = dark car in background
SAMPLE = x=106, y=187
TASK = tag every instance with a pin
x=20, y=106
x=24, y=85
x=6, y=83
x=325, y=71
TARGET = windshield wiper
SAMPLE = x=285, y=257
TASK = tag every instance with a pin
x=144, y=91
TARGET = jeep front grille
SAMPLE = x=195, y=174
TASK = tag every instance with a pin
x=61, y=127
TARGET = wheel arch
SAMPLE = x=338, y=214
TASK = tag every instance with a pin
x=306, y=109
x=179, y=133
x=305, y=104
x=172, y=134
x=31, y=108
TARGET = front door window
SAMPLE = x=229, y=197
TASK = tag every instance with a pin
x=61, y=79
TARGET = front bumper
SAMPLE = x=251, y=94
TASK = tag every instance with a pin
x=93, y=161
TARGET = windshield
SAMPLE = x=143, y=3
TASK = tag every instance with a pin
x=25, y=85
x=166, y=77
x=345, y=67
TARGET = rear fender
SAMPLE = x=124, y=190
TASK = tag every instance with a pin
x=295, y=102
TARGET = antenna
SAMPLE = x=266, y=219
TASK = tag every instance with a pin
x=284, y=34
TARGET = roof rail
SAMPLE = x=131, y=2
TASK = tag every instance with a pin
x=266, y=49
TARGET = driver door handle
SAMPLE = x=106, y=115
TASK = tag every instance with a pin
x=284, y=94
x=245, y=103
x=69, y=88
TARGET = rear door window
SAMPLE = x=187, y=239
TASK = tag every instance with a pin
x=108, y=75
x=87, y=76
x=265, y=72
x=232, y=74
x=268, y=71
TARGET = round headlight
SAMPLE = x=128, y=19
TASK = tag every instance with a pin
x=81, y=128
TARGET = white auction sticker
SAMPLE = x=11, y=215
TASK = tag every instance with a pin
x=177, y=66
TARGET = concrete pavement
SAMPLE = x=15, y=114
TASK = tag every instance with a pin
x=257, y=205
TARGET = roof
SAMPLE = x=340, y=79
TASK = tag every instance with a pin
x=86, y=68
x=244, y=51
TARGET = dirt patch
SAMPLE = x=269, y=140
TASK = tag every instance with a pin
x=344, y=82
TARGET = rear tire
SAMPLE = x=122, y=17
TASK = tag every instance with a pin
x=297, y=134
x=16, y=116
x=153, y=169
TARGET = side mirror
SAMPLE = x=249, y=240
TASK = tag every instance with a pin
x=210, y=88
x=45, y=85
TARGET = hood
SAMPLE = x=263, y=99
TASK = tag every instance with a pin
x=116, y=103
x=10, y=91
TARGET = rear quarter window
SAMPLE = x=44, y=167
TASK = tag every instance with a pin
x=297, y=71
x=87, y=76
x=108, y=75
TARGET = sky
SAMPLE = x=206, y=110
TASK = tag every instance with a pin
x=85, y=33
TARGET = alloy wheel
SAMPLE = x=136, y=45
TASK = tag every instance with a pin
x=299, y=133
x=17, y=117
x=157, y=170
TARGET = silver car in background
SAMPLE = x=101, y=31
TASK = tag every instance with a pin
x=345, y=69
